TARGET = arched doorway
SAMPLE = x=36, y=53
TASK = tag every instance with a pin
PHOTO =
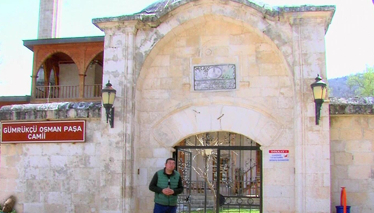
x=221, y=172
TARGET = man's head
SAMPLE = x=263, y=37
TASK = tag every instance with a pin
x=170, y=165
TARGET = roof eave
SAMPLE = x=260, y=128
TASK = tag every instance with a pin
x=31, y=43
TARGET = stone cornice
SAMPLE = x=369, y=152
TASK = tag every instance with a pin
x=155, y=11
x=69, y=110
x=352, y=106
x=63, y=110
x=304, y=14
x=129, y=25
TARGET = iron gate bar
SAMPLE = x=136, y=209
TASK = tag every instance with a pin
x=176, y=157
x=218, y=178
x=219, y=148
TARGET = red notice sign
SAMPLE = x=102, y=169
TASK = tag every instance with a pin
x=43, y=131
x=278, y=151
x=279, y=155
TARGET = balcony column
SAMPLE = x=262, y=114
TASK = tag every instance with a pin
x=47, y=72
x=81, y=85
x=33, y=87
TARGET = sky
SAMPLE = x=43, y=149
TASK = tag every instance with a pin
x=349, y=40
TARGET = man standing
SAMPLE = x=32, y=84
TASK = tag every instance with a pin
x=166, y=184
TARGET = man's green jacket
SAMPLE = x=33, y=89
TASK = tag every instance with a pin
x=160, y=181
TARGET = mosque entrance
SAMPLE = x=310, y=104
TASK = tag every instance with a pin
x=221, y=172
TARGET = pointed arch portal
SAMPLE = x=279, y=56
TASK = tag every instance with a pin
x=219, y=157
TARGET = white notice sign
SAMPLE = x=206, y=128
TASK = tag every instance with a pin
x=278, y=155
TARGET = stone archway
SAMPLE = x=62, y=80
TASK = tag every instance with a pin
x=245, y=14
x=197, y=119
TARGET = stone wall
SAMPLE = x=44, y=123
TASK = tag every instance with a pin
x=53, y=177
x=352, y=152
x=149, y=58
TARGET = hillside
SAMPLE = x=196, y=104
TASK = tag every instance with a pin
x=338, y=88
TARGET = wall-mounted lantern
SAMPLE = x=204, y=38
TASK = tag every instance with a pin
x=108, y=95
x=319, y=94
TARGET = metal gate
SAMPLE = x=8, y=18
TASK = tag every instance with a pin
x=221, y=172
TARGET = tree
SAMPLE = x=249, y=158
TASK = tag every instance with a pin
x=234, y=170
x=363, y=83
x=208, y=158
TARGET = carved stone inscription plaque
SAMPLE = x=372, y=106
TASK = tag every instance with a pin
x=214, y=77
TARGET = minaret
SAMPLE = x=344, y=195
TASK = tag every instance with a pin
x=49, y=13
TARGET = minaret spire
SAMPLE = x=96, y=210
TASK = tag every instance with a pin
x=49, y=13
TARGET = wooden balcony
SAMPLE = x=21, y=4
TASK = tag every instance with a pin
x=46, y=94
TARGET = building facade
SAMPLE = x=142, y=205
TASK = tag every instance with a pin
x=230, y=69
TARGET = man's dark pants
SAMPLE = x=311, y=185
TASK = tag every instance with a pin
x=164, y=209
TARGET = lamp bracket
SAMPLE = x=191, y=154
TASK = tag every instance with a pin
x=110, y=116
